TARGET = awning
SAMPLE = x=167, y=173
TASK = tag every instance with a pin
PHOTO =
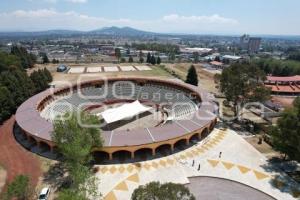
x=125, y=111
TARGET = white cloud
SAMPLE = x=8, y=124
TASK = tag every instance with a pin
x=199, y=19
x=45, y=19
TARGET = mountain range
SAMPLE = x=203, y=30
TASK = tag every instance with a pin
x=117, y=31
x=120, y=31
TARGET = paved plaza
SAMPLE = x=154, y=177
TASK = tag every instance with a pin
x=239, y=162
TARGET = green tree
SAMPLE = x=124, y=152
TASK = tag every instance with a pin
x=19, y=85
x=45, y=59
x=242, y=83
x=192, y=77
x=122, y=60
x=118, y=54
x=196, y=57
x=130, y=59
x=20, y=189
x=158, y=61
x=68, y=194
x=141, y=57
x=153, y=60
x=172, y=56
x=217, y=58
x=286, y=135
x=6, y=102
x=157, y=191
x=9, y=61
x=148, y=58
x=76, y=137
x=27, y=60
x=40, y=79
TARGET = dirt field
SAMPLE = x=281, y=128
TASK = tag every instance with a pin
x=14, y=158
x=285, y=101
x=3, y=175
x=263, y=148
x=206, y=79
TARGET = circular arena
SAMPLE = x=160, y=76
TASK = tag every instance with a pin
x=141, y=118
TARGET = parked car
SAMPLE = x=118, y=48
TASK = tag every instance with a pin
x=61, y=68
x=44, y=194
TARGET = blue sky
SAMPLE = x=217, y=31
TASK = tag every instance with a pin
x=178, y=16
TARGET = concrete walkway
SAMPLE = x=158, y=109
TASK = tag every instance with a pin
x=239, y=162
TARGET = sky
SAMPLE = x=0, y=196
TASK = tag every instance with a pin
x=272, y=17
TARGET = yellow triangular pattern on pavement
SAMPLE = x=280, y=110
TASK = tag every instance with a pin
x=113, y=169
x=170, y=161
x=122, y=186
x=162, y=163
x=228, y=165
x=154, y=165
x=146, y=166
x=121, y=169
x=213, y=163
x=133, y=178
x=110, y=196
x=243, y=169
x=209, y=144
x=260, y=175
x=103, y=169
x=188, y=154
x=130, y=168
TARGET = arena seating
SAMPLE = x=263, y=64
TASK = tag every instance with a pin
x=177, y=103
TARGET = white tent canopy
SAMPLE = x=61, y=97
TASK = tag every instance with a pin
x=125, y=111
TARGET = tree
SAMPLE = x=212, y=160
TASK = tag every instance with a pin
x=118, y=54
x=141, y=57
x=217, y=58
x=75, y=137
x=45, y=59
x=153, y=60
x=20, y=189
x=54, y=61
x=27, y=60
x=6, y=102
x=192, y=77
x=172, y=56
x=130, y=59
x=158, y=61
x=41, y=79
x=76, y=140
x=196, y=57
x=157, y=191
x=285, y=136
x=122, y=60
x=19, y=85
x=9, y=61
x=242, y=83
x=68, y=194
x=148, y=58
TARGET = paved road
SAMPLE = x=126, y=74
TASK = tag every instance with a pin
x=221, y=189
x=14, y=157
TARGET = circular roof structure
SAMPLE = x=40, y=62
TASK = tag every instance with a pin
x=29, y=115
